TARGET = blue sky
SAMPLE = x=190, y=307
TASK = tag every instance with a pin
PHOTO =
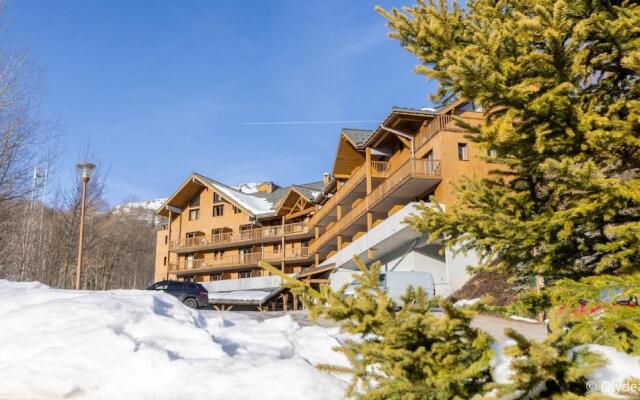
x=161, y=89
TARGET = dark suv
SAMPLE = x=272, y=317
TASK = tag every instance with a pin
x=193, y=295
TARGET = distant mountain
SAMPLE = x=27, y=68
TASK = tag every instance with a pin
x=145, y=210
x=136, y=205
x=248, y=188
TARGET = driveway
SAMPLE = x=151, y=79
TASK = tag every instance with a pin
x=494, y=326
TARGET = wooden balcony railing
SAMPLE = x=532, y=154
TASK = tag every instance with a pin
x=241, y=236
x=436, y=125
x=420, y=167
x=379, y=169
x=240, y=259
x=330, y=204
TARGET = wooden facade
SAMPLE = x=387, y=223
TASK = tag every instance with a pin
x=212, y=236
x=413, y=155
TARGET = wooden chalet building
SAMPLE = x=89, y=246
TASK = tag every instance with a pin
x=217, y=233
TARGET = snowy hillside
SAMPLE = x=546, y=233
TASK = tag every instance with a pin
x=144, y=210
x=152, y=205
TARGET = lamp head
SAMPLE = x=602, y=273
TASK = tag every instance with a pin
x=85, y=169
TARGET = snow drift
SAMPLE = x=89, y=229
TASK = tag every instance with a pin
x=129, y=344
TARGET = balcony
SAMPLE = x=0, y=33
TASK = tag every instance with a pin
x=414, y=177
x=249, y=236
x=214, y=264
x=329, y=206
x=441, y=123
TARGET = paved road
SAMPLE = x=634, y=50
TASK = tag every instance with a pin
x=494, y=326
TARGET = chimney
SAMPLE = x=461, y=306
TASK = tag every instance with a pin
x=326, y=178
x=266, y=187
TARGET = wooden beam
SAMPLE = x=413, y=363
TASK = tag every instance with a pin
x=367, y=161
x=404, y=141
x=318, y=280
x=300, y=213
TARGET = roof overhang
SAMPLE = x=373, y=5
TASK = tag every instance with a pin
x=345, y=147
x=189, y=188
x=290, y=191
x=401, y=119
x=315, y=271
x=185, y=192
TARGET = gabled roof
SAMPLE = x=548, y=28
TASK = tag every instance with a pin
x=357, y=137
x=309, y=191
x=251, y=203
x=401, y=116
x=258, y=204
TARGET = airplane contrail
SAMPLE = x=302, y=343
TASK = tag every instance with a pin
x=306, y=122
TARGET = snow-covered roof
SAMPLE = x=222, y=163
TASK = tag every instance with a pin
x=257, y=206
x=240, y=296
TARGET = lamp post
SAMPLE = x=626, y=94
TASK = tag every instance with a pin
x=85, y=170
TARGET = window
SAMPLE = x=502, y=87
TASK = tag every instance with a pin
x=194, y=214
x=218, y=211
x=165, y=260
x=217, y=198
x=166, y=239
x=164, y=285
x=215, y=277
x=429, y=155
x=218, y=254
x=217, y=231
x=462, y=152
x=244, y=274
x=304, y=243
x=236, y=210
x=277, y=247
x=195, y=201
x=492, y=153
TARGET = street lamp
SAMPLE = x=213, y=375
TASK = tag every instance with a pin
x=85, y=170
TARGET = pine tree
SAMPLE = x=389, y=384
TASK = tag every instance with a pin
x=559, y=81
x=553, y=368
x=602, y=321
x=407, y=354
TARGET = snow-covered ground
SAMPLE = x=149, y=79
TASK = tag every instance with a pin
x=129, y=344
x=133, y=344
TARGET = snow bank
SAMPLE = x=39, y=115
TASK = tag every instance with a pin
x=129, y=344
x=524, y=319
x=609, y=380
x=466, y=302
